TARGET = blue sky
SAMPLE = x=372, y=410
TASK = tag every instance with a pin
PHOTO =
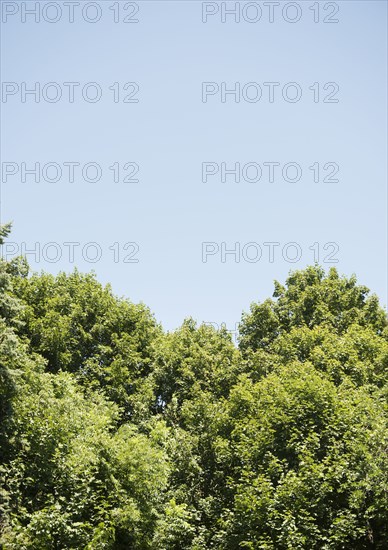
x=173, y=129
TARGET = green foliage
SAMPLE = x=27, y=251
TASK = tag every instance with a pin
x=328, y=321
x=81, y=327
x=305, y=455
x=311, y=299
x=73, y=476
x=115, y=435
x=192, y=360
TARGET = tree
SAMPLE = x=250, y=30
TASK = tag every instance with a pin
x=116, y=435
x=308, y=464
x=79, y=326
x=329, y=321
x=73, y=477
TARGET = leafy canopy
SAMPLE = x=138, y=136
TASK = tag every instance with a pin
x=117, y=435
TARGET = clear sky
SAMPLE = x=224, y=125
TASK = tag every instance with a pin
x=322, y=119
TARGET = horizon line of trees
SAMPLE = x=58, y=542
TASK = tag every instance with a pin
x=117, y=435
